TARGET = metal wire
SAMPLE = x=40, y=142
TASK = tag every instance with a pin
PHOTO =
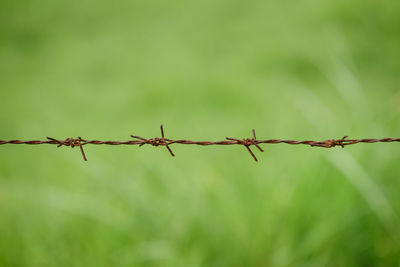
x=156, y=141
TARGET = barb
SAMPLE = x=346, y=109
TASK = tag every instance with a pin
x=332, y=143
x=72, y=143
x=157, y=141
x=247, y=143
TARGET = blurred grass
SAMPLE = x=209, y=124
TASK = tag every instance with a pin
x=206, y=70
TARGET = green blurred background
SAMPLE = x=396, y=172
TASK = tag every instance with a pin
x=206, y=70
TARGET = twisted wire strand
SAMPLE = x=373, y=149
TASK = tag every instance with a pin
x=157, y=141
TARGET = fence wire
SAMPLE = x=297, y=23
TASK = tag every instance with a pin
x=166, y=142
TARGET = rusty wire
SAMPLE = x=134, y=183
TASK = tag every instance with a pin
x=156, y=141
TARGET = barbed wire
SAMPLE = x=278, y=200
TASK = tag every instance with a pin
x=157, y=141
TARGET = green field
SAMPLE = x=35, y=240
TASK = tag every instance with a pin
x=205, y=70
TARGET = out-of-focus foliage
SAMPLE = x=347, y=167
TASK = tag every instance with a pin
x=206, y=70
